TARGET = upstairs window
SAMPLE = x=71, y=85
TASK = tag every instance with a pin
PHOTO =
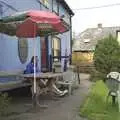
x=61, y=10
x=55, y=6
x=45, y=3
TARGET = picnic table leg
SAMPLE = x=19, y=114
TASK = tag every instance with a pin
x=70, y=88
x=78, y=73
x=35, y=97
x=53, y=87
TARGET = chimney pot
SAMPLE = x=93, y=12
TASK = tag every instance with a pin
x=100, y=25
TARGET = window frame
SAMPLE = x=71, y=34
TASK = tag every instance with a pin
x=21, y=48
x=42, y=2
x=58, y=57
x=57, y=8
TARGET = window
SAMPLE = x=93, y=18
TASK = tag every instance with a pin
x=23, y=49
x=55, y=6
x=61, y=10
x=45, y=2
x=56, y=48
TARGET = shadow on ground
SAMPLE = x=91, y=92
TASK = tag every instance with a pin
x=59, y=108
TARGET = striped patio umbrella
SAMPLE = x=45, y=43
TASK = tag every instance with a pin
x=22, y=24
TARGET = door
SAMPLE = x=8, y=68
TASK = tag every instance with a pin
x=44, y=54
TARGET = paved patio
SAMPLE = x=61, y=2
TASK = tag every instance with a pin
x=65, y=108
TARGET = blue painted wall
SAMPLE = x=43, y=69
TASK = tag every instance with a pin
x=9, y=45
x=9, y=59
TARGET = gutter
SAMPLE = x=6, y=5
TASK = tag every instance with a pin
x=66, y=6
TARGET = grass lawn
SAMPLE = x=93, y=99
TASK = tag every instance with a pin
x=95, y=106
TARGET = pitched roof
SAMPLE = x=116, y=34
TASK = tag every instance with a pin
x=88, y=39
x=64, y=3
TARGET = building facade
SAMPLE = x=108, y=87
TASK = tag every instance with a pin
x=85, y=45
x=15, y=53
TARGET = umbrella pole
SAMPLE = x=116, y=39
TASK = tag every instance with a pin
x=35, y=86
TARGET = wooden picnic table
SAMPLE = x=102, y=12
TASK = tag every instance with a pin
x=43, y=75
x=44, y=82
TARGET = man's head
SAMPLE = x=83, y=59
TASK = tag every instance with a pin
x=36, y=59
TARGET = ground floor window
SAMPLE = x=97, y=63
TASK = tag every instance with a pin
x=22, y=49
x=56, y=48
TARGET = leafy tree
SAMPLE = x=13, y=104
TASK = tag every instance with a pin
x=107, y=56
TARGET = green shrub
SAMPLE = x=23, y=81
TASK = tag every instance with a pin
x=95, y=106
x=4, y=103
x=95, y=75
x=107, y=56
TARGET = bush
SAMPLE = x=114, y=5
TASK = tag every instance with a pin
x=95, y=106
x=4, y=102
x=107, y=56
x=95, y=75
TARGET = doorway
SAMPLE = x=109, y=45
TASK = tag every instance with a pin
x=44, y=54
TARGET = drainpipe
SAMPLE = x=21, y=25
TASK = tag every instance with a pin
x=71, y=39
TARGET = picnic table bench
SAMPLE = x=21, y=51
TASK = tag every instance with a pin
x=10, y=80
x=70, y=79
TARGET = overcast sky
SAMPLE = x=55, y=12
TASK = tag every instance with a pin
x=83, y=19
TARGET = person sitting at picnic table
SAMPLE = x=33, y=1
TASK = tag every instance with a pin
x=30, y=66
x=30, y=69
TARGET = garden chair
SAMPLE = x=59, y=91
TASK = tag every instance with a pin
x=113, y=84
x=69, y=79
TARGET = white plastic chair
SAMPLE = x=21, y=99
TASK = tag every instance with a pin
x=113, y=84
x=69, y=79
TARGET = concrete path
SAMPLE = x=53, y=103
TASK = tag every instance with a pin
x=66, y=108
